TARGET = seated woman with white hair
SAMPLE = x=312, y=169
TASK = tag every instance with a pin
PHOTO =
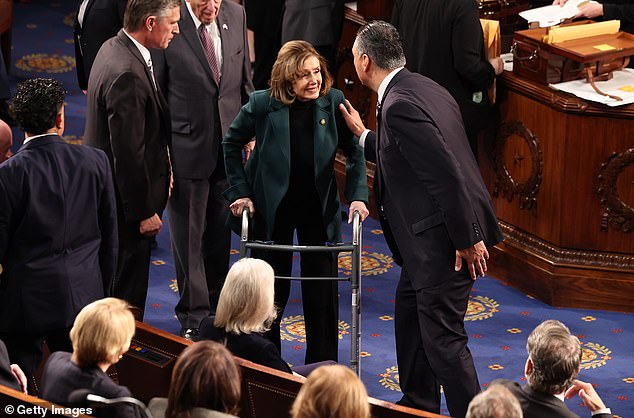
x=246, y=309
x=100, y=336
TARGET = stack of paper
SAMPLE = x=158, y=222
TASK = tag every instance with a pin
x=621, y=85
x=553, y=15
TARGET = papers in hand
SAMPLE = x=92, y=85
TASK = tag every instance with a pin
x=553, y=15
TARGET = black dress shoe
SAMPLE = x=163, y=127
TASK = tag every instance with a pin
x=190, y=333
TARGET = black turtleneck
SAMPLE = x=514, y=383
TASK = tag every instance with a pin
x=302, y=180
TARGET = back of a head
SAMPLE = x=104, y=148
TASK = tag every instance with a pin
x=382, y=43
x=37, y=103
x=332, y=392
x=496, y=402
x=137, y=11
x=204, y=376
x=555, y=355
x=102, y=332
x=246, y=303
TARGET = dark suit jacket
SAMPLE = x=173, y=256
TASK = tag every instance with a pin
x=442, y=40
x=6, y=376
x=316, y=21
x=102, y=20
x=264, y=16
x=58, y=242
x=61, y=377
x=540, y=405
x=622, y=10
x=128, y=119
x=201, y=110
x=253, y=347
x=265, y=178
x=433, y=194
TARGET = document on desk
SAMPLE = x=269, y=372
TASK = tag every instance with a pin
x=621, y=85
x=552, y=15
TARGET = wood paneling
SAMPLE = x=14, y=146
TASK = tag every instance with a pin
x=571, y=242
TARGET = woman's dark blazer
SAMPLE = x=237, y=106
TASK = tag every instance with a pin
x=61, y=377
x=253, y=347
x=265, y=177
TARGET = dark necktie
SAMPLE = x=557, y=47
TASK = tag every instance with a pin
x=210, y=52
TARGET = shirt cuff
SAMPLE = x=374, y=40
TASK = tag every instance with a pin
x=362, y=138
x=602, y=411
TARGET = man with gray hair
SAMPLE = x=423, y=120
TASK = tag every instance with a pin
x=496, y=402
x=432, y=196
x=127, y=117
x=554, y=358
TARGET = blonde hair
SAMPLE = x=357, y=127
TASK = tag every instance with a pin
x=332, y=392
x=246, y=302
x=102, y=332
x=288, y=68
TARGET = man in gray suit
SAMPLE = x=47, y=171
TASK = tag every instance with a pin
x=205, y=74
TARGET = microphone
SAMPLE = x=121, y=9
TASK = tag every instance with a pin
x=83, y=397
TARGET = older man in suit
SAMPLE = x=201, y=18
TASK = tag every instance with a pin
x=96, y=21
x=58, y=242
x=205, y=75
x=552, y=366
x=439, y=212
x=443, y=40
x=128, y=118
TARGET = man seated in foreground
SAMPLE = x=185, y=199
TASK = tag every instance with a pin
x=554, y=357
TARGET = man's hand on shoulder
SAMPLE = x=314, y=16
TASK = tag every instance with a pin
x=476, y=258
x=150, y=226
x=352, y=118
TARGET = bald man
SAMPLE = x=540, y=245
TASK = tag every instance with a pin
x=6, y=140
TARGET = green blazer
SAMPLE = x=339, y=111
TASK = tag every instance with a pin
x=265, y=177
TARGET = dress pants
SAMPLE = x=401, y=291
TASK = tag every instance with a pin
x=198, y=217
x=319, y=298
x=26, y=349
x=431, y=343
x=133, y=265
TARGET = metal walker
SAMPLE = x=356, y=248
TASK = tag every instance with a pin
x=355, y=279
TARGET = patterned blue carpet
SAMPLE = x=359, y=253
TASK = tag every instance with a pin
x=499, y=317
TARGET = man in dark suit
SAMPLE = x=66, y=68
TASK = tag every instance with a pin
x=206, y=78
x=95, y=22
x=554, y=358
x=439, y=213
x=127, y=117
x=264, y=18
x=316, y=21
x=10, y=374
x=58, y=244
x=443, y=40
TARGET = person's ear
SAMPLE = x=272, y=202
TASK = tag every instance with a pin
x=528, y=367
x=150, y=22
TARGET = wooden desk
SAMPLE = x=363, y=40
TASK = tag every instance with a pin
x=561, y=173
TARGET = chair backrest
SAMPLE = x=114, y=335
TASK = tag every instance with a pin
x=13, y=402
x=266, y=393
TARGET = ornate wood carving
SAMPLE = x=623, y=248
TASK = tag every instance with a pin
x=616, y=212
x=562, y=256
x=505, y=184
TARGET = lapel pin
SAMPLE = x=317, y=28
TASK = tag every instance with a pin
x=322, y=122
x=224, y=26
